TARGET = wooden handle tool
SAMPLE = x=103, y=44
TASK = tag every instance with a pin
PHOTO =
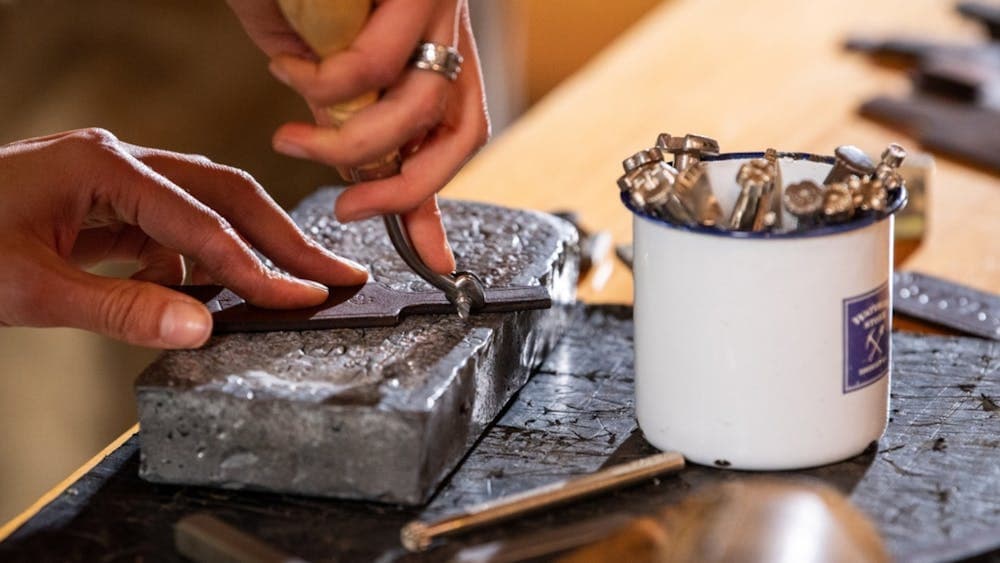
x=329, y=26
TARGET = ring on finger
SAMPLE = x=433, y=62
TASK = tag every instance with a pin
x=442, y=59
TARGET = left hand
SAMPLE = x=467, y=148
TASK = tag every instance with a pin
x=437, y=125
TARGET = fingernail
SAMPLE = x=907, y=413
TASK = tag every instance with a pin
x=315, y=285
x=279, y=73
x=290, y=149
x=184, y=325
x=360, y=270
x=351, y=216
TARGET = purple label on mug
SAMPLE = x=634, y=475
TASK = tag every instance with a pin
x=866, y=338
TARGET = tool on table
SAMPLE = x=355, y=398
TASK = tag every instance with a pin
x=947, y=303
x=205, y=539
x=752, y=520
x=955, y=104
x=370, y=304
x=684, y=196
x=419, y=535
x=330, y=26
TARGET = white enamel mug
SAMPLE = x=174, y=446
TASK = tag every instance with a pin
x=763, y=351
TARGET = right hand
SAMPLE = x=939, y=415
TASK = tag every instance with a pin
x=436, y=124
x=74, y=199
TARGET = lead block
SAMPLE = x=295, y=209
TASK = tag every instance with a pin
x=379, y=413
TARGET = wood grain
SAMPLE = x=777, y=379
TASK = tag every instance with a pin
x=752, y=75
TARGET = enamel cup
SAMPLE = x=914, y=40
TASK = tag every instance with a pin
x=763, y=351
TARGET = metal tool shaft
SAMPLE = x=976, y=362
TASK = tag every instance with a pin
x=418, y=535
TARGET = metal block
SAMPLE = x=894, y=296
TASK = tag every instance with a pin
x=378, y=413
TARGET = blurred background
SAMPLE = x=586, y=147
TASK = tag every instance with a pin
x=181, y=75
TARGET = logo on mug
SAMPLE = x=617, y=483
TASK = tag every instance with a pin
x=866, y=338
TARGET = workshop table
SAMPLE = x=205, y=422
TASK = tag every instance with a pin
x=754, y=74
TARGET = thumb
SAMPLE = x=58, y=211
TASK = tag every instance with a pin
x=136, y=312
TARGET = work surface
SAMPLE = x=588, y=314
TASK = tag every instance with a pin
x=751, y=74
x=932, y=485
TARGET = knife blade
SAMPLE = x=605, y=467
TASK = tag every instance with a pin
x=368, y=305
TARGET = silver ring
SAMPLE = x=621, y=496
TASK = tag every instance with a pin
x=441, y=59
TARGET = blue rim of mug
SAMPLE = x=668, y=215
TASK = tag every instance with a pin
x=897, y=200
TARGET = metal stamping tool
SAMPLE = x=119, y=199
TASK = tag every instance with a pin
x=869, y=193
x=887, y=169
x=804, y=200
x=768, y=214
x=463, y=289
x=838, y=203
x=850, y=160
x=754, y=178
x=695, y=191
x=418, y=535
x=688, y=149
x=650, y=184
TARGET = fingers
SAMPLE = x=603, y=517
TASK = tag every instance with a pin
x=157, y=263
x=150, y=201
x=429, y=238
x=268, y=29
x=408, y=110
x=465, y=129
x=372, y=61
x=137, y=312
x=242, y=201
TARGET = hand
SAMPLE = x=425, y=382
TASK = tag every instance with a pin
x=73, y=199
x=436, y=124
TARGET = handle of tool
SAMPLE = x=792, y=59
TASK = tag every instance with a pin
x=329, y=26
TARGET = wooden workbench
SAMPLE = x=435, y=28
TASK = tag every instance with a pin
x=751, y=74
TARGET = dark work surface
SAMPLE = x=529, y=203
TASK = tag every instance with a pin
x=932, y=485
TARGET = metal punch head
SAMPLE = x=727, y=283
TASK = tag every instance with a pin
x=768, y=213
x=838, y=203
x=664, y=200
x=753, y=177
x=641, y=158
x=695, y=191
x=464, y=289
x=688, y=149
x=887, y=170
x=804, y=200
x=869, y=194
x=628, y=182
x=893, y=155
x=850, y=160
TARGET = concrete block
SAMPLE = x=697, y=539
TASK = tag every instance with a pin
x=379, y=413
